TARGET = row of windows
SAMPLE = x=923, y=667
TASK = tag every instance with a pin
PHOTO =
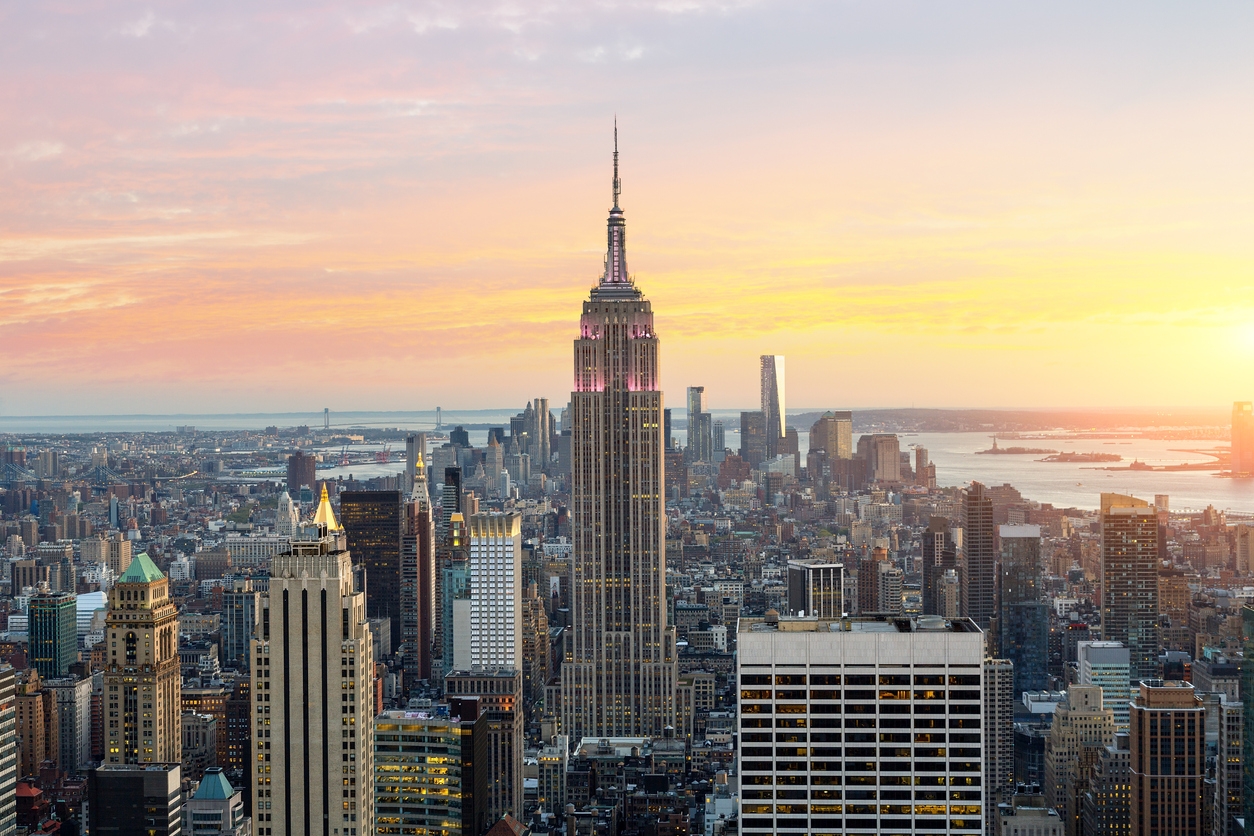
x=905, y=765
x=861, y=780
x=918, y=722
x=856, y=751
x=747, y=679
x=858, y=737
x=863, y=809
x=851, y=694
x=869, y=794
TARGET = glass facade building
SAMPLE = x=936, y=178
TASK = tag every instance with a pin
x=53, y=633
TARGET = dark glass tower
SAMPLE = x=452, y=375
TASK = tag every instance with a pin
x=375, y=524
x=979, y=575
x=53, y=633
x=1023, y=625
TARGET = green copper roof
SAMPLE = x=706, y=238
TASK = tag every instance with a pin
x=141, y=570
x=214, y=785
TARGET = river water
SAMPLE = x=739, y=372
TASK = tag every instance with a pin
x=955, y=456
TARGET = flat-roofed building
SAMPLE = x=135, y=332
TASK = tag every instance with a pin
x=1168, y=759
x=430, y=771
x=861, y=724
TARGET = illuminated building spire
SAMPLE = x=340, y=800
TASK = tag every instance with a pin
x=615, y=276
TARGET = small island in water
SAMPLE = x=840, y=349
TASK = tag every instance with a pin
x=1013, y=451
x=1082, y=458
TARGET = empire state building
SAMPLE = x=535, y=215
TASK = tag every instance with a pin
x=619, y=680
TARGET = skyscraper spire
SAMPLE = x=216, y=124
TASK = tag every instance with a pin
x=616, y=278
x=618, y=187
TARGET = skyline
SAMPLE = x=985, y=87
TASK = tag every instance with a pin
x=210, y=207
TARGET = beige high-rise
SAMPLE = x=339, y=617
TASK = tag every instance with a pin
x=1168, y=759
x=1081, y=730
x=619, y=677
x=142, y=702
x=313, y=678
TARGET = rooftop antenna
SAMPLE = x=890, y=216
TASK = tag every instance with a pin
x=617, y=185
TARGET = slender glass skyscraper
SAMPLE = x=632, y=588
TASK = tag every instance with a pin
x=620, y=680
x=773, y=400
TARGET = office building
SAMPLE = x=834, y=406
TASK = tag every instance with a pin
x=313, y=688
x=1081, y=729
x=301, y=472
x=1130, y=580
x=1105, y=807
x=130, y=799
x=700, y=427
x=620, y=673
x=535, y=645
x=450, y=499
x=216, y=808
x=418, y=581
x=240, y=612
x=73, y=701
x=119, y=553
x=1107, y=665
x=453, y=594
x=979, y=557
x=553, y=759
x=415, y=458
x=939, y=555
x=870, y=724
x=499, y=695
x=37, y=727
x=774, y=408
x=1023, y=625
x=8, y=750
x=1168, y=737
x=1228, y=803
x=999, y=758
x=881, y=456
x=430, y=771
x=719, y=440
x=1247, y=701
x=889, y=585
x=200, y=744
x=286, y=516
x=53, y=629
x=1243, y=438
x=141, y=676
x=495, y=564
x=816, y=588
x=753, y=438
x=1027, y=815
x=833, y=433
x=375, y=524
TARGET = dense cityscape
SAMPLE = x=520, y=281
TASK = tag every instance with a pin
x=583, y=624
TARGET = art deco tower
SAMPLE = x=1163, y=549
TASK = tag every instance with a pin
x=619, y=680
x=313, y=687
x=141, y=676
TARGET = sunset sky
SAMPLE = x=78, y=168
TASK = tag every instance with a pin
x=280, y=206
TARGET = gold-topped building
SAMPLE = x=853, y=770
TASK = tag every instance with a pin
x=141, y=677
x=620, y=674
x=313, y=694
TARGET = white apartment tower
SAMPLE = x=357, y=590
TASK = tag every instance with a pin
x=619, y=680
x=495, y=566
x=861, y=724
x=312, y=677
